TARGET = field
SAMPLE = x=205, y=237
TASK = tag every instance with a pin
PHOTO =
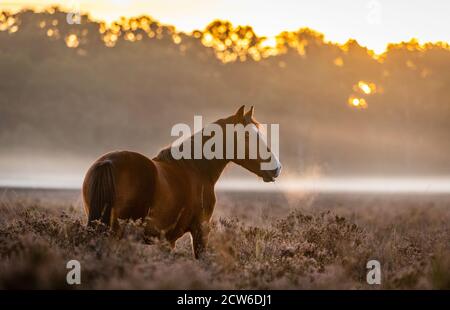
x=258, y=241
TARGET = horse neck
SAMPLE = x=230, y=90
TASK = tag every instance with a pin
x=217, y=168
x=211, y=169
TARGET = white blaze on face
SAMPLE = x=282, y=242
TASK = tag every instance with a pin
x=274, y=163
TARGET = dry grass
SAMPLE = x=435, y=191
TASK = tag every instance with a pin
x=304, y=246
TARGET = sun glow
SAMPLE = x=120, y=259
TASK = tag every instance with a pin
x=365, y=87
x=269, y=42
x=359, y=103
x=231, y=42
x=72, y=41
x=338, y=61
x=339, y=20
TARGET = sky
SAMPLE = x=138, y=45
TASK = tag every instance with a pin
x=373, y=23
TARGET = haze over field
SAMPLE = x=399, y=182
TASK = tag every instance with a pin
x=72, y=92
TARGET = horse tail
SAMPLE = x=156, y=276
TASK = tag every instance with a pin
x=101, y=192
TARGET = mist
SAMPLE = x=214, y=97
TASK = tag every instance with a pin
x=63, y=105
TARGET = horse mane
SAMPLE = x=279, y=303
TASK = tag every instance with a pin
x=207, y=168
x=165, y=155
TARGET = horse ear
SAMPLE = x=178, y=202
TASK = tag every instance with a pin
x=248, y=116
x=240, y=112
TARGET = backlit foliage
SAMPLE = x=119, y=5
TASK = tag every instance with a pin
x=230, y=43
x=9, y=22
x=414, y=45
x=301, y=41
x=355, y=75
x=135, y=29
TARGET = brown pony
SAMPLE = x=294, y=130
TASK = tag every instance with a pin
x=171, y=196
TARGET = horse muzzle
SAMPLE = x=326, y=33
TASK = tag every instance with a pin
x=271, y=175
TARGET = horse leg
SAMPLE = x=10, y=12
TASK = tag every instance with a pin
x=199, y=233
x=151, y=232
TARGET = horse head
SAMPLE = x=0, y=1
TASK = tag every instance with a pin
x=248, y=147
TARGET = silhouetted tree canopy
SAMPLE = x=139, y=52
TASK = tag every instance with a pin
x=89, y=88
